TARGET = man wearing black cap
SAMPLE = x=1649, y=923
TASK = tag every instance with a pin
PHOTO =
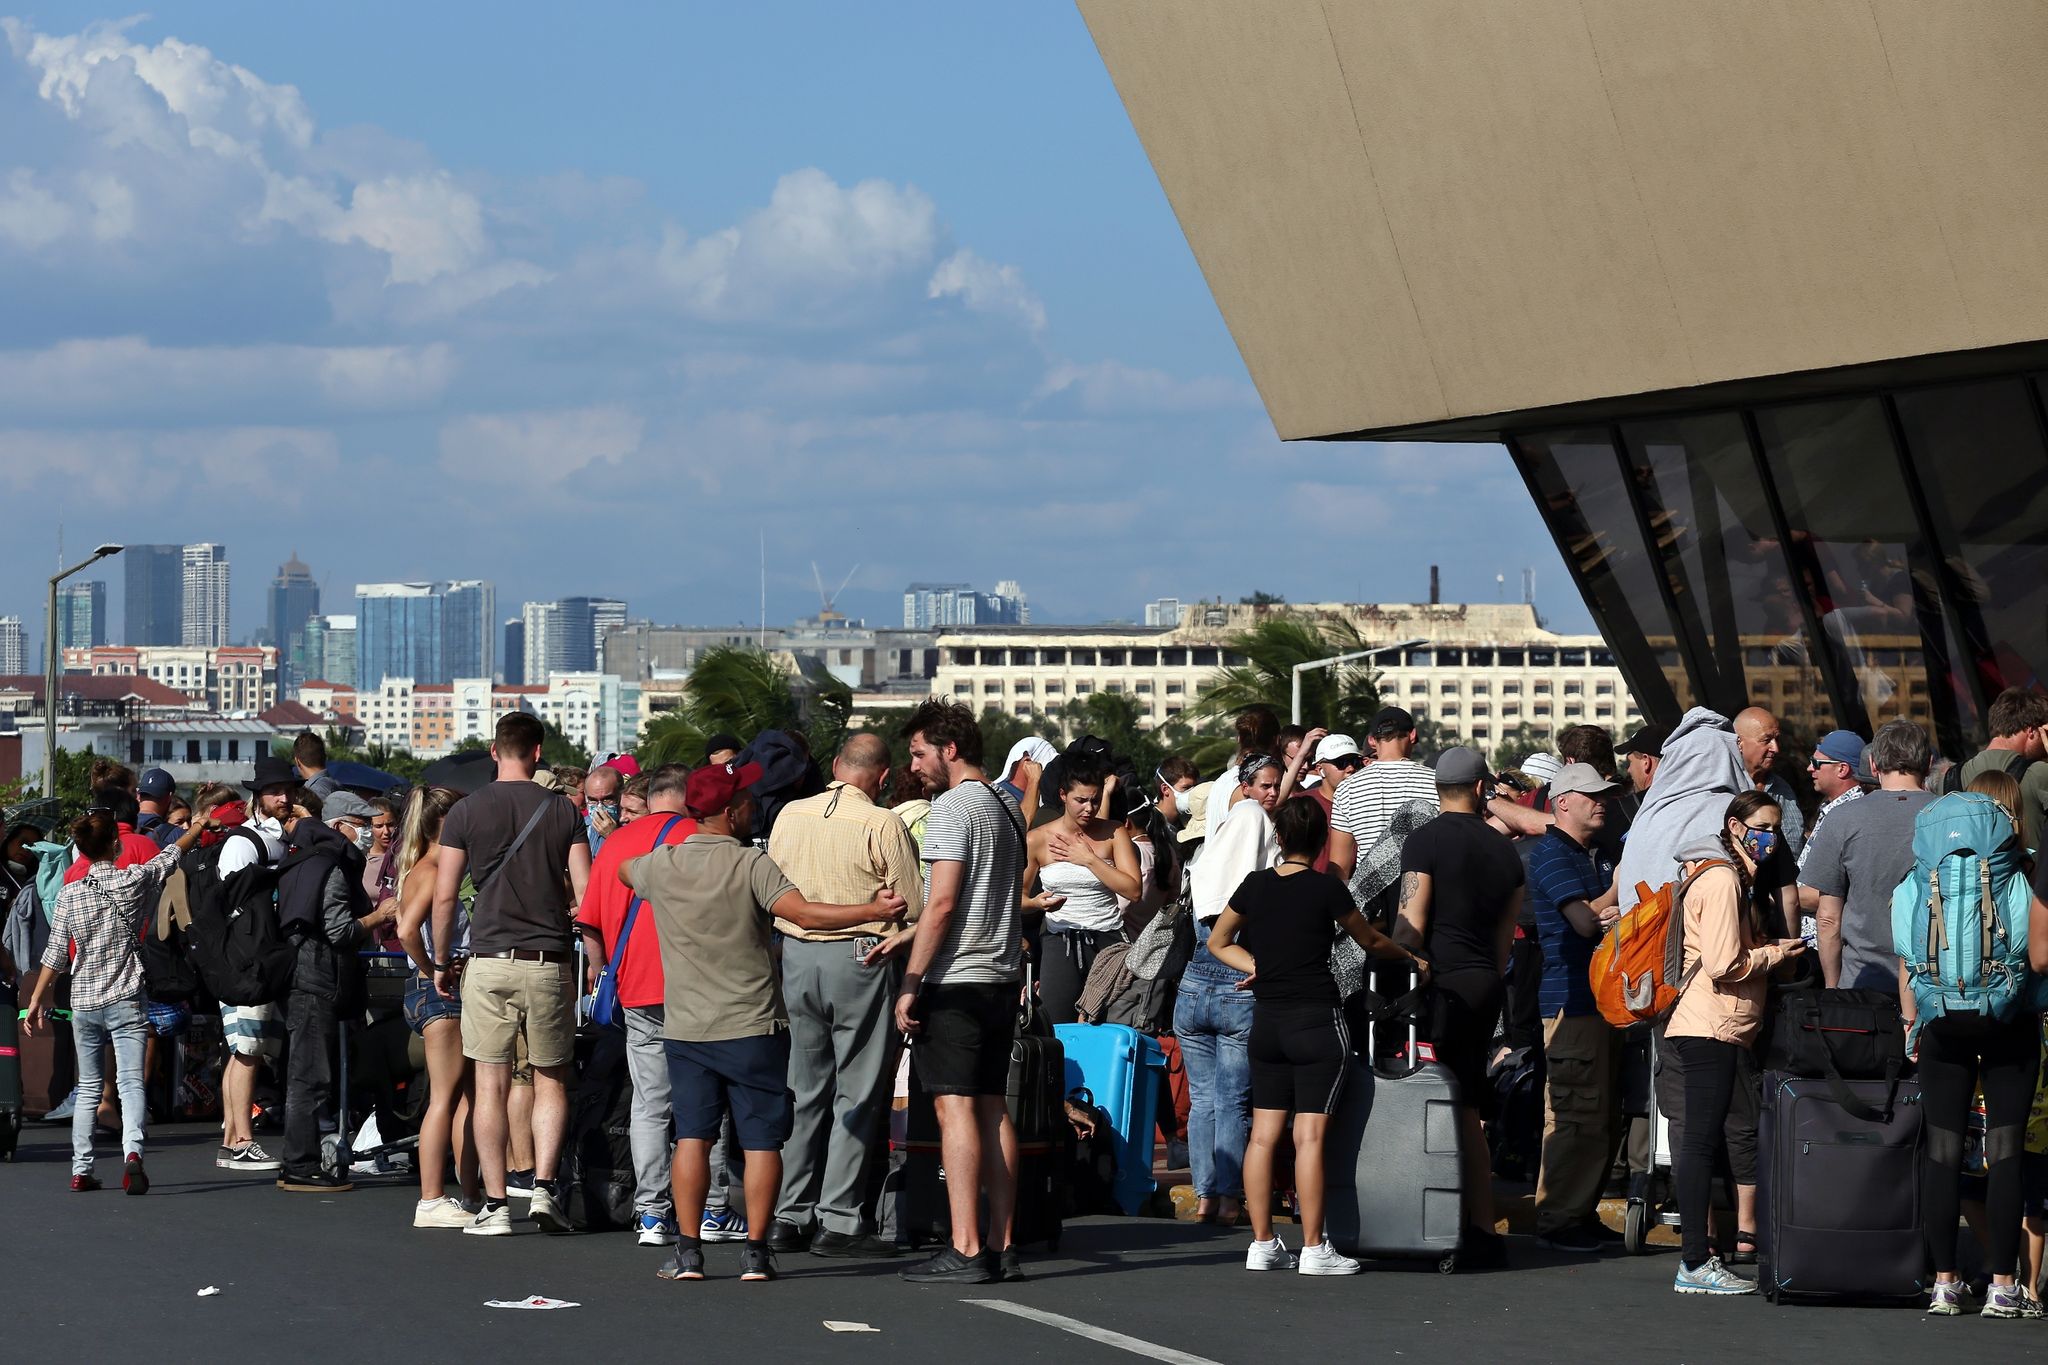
x=1461, y=888
x=1640, y=754
x=1367, y=801
x=725, y=1025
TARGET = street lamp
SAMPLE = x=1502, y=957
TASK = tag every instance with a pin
x=50, y=670
x=1302, y=668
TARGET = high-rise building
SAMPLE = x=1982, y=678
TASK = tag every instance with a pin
x=204, y=618
x=429, y=632
x=1165, y=612
x=327, y=651
x=82, y=614
x=294, y=599
x=12, y=660
x=541, y=638
x=153, y=595
x=1011, y=607
x=583, y=623
x=513, y=654
x=469, y=625
x=926, y=606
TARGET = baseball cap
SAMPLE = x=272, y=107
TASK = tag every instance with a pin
x=718, y=742
x=1333, y=747
x=345, y=805
x=1648, y=741
x=1583, y=778
x=1460, y=767
x=1841, y=746
x=1391, y=720
x=623, y=764
x=1195, y=800
x=155, y=782
x=712, y=787
x=1543, y=767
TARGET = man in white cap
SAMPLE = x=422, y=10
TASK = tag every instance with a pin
x=1336, y=757
x=1023, y=769
x=1571, y=890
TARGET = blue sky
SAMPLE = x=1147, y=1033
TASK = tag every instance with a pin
x=588, y=305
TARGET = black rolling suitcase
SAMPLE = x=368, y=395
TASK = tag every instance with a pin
x=1036, y=1096
x=10, y=1073
x=1395, y=1184
x=597, y=1158
x=1840, y=1194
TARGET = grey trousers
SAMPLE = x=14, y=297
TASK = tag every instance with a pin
x=653, y=1127
x=842, y=1058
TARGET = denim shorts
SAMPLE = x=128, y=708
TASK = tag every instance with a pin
x=424, y=1004
x=167, y=1021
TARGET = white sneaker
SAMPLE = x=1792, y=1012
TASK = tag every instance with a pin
x=544, y=1211
x=1324, y=1259
x=441, y=1213
x=1271, y=1255
x=490, y=1222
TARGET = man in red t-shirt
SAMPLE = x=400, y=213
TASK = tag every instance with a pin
x=601, y=919
x=135, y=849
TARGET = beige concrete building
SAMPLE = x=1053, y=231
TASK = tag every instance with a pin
x=1755, y=293
x=1481, y=671
x=230, y=679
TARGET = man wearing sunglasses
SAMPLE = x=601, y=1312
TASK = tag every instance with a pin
x=1835, y=768
x=1336, y=758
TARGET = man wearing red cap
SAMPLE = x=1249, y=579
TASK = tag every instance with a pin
x=714, y=900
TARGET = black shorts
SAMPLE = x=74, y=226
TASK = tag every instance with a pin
x=963, y=1044
x=1298, y=1055
x=745, y=1077
x=1464, y=1007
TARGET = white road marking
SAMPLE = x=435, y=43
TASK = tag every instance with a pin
x=1135, y=1345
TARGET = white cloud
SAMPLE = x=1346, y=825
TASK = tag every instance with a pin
x=986, y=287
x=1111, y=389
x=536, y=449
x=277, y=469
x=30, y=215
x=91, y=380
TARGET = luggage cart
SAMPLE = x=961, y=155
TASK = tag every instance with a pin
x=386, y=976
x=1650, y=1193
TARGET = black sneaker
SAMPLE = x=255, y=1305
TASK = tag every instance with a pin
x=784, y=1235
x=950, y=1267
x=1010, y=1267
x=684, y=1263
x=757, y=1263
x=1575, y=1240
x=1600, y=1232
x=848, y=1246
x=313, y=1182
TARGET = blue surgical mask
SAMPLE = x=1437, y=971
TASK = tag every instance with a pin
x=1761, y=843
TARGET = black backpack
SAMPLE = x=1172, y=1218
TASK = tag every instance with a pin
x=598, y=1156
x=2015, y=765
x=169, y=976
x=234, y=940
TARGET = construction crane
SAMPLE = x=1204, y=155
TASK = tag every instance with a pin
x=828, y=602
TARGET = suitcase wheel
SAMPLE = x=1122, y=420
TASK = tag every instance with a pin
x=1447, y=1264
x=1635, y=1227
x=10, y=1133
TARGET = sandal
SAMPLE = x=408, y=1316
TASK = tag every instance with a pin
x=1745, y=1250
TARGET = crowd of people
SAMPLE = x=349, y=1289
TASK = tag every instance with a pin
x=769, y=958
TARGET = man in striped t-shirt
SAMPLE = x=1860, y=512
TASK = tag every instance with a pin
x=1366, y=803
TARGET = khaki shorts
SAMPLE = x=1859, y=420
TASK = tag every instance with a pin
x=503, y=1000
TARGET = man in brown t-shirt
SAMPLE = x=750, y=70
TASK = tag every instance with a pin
x=714, y=900
x=523, y=849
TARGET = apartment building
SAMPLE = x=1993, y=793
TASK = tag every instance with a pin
x=229, y=680
x=1479, y=670
x=429, y=720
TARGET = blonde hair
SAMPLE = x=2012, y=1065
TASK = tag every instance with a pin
x=2003, y=788
x=424, y=812
x=213, y=794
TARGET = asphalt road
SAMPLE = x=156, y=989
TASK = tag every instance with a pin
x=102, y=1277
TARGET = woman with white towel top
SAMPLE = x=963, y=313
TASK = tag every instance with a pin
x=1082, y=862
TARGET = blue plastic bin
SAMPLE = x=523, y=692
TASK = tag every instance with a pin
x=1125, y=1071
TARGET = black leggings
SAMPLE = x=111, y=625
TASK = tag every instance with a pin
x=1710, y=1068
x=1064, y=960
x=1956, y=1054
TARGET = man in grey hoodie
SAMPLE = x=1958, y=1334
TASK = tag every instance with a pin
x=1700, y=773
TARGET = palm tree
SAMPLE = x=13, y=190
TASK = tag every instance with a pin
x=1342, y=697
x=742, y=690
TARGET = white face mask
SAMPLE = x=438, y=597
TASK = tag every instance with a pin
x=364, y=838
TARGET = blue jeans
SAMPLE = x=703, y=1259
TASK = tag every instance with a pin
x=1213, y=1021
x=125, y=1024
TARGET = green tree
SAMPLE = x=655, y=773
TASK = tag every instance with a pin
x=1431, y=739
x=1115, y=716
x=1261, y=598
x=742, y=690
x=1342, y=697
x=557, y=750
x=1515, y=747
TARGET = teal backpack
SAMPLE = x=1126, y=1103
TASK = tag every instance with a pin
x=1959, y=919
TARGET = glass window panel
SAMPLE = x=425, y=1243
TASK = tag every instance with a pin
x=1857, y=550
x=1977, y=451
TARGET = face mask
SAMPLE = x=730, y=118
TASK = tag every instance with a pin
x=365, y=838
x=1761, y=843
x=609, y=809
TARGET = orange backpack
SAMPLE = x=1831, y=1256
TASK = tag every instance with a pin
x=1637, y=971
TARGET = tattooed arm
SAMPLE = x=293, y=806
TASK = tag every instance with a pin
x=1411, y=924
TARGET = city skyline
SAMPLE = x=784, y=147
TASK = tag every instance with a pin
x=972, y=334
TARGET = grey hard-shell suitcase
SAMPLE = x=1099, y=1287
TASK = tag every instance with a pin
x=1395, y=1187
x=1840, y=1195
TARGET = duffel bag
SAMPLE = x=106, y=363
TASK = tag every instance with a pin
x=1838, y=1036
